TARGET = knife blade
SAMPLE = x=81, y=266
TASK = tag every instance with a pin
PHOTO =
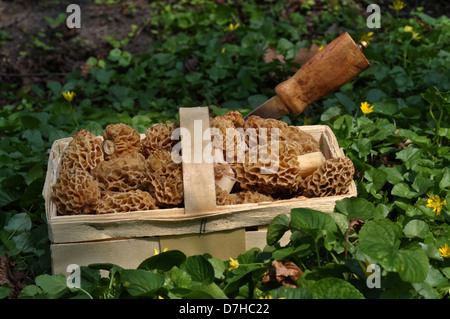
x=333, y=66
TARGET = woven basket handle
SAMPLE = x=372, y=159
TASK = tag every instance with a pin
x=198, y=169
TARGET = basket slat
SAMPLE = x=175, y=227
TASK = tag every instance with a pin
x=198, y=174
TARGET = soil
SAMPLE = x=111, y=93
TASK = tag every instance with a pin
x=23, y=26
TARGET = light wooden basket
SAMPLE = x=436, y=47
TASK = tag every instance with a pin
x=126, y=239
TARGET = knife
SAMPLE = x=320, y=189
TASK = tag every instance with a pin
x=330, y=68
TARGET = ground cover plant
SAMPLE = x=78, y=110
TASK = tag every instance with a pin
x=392, y=121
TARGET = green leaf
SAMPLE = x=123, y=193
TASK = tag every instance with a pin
x=8, y=197
x=277, y=228
x=346, y=102
x=295, y=250
x=421, y=184
x=29, y=292
x=54, y=23
x=19, y=223
x=411, y=265
x=211, y=291
x=200, y=270
x=356, y=207
x=181, y=278
x=309, y=219
x=445, y=180
x=409, y=156
x=416, y=228
x=387, y=107
x=377, y=177
x=363, y=146
x=383, y=132
x=334, y=288
x=53, y=286
x=291, y=293
x=379, y=239
x=219, y=267
x=164, y=261
x=141, y=282
x=414, y=137
x=403, y=190
x=394, y=174
x=5, y=289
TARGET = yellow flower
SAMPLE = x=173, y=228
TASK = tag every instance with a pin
x=156, y=252
x=445, y=251
x=435, y=203
x=233, y=27
x=223, y=50
x=233, y=264
x=366, y=108
x=397, y=5
x=367, y=37
x=69, y=95
x=270, y=297
x=416, y=36
x=408, y=28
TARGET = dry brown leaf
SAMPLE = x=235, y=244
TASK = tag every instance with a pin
x=283, y=272
x=10, y=277
x=271, y=55
x=304, y=54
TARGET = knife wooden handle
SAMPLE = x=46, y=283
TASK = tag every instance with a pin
x=326, y=71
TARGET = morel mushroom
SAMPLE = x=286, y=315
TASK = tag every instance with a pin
x=120, y=139
x=331, y=179
x=76, y=193
x=131, y=201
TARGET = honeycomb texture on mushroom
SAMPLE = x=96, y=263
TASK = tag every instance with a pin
x=84, y=152
x=235, y=117
x=158, y=137
x=265, y=129
x=120, y=139
x=244, y=197
x=305, y=140
x=76, y=193
x=225, y=137
x=164, y=179
x=271, y=170
x=331, y=179
x=130, y=201
x=121, y=174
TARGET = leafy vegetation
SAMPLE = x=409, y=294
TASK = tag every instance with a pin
x=208, y=53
